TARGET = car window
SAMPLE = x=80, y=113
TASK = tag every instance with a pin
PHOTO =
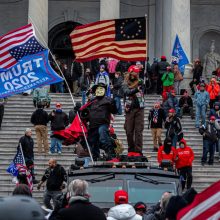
x=104, y=191
x=147, y=192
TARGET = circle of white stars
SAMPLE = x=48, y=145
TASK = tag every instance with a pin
x=138, y=23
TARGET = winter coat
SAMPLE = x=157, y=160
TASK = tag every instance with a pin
x=185, y=100
x=185, y=156
x=160, y=118
x=162, y=67
x=209, y=132
x=100, y=111
x=76, y=71
x=80, y=209
x=84, y=82
x=40, y=117
x=123, y=212
x=173, y=127
x=54, y=178
x=213, y=90
x=168, y=79
x=117, y=87
x=215, y=113
x=154, y=70
x=27, y=144
x=197, y=73
x=201, y=98
x=112, y=65
x=59, y=121
x=171, y=102
x=178, y=76
x=161, y=155
x=132, y=97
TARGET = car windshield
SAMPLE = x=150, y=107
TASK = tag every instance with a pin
x=104, y=191
x=147, y=192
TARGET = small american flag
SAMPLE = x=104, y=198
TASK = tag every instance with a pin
x=17, y=44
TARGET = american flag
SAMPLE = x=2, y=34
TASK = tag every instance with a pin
x=22, y=169
x=206, y=205
x=123, y=39
x=17, y=44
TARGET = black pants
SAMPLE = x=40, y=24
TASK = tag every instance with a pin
x=1, y=114
x=186, y=177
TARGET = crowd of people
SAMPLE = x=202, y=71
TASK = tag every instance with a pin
x=103, y=87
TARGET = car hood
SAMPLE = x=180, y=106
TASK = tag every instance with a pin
x=123, y=212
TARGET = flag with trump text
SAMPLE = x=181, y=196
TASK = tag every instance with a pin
x=206, y=205
x=24, y=63
x=123, y=39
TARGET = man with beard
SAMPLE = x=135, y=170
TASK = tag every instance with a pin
x=100, y=111
x=134, y=110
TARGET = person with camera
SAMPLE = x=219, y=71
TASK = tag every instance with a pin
x=184, y=159
x=166, y=155
x=210, y=137
x=55, y=175
x=174, y=127
x=134, y=109
x=59, y=120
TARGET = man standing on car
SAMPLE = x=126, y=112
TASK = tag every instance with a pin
x=55, y=175
x=134, y=110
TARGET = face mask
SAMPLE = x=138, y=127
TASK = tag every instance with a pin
x=182, y=146
x=58, y=110
x=100, y=91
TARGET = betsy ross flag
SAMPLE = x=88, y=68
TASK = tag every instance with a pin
x=206, y=205
x=17, y=44
x=18, y=167
x=123, y=39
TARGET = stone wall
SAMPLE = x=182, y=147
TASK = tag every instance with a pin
x=205, y=26
x=13, y=14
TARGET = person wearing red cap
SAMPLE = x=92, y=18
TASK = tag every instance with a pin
x=134, y=110
x=59, y=120
x=174, y=127
x=184, y=159
x=210, y=137
x=122, y=210
x=168, y=80
x=162, y=68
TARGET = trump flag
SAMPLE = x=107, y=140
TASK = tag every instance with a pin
x=178, y=55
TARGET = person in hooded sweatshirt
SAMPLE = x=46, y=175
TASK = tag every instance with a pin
x=185, y=157
x=122, y=210
x=166, y=152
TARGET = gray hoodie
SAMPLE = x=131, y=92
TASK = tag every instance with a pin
x=123, y=212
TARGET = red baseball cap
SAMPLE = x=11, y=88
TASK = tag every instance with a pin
x=121, y=197
x=133, y=68
x=212, y=117
x=172, y=110
x=58, y=104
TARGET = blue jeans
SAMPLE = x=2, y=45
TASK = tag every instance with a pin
x=99, y=138
x=59, y=87
x=55, y=142
x=83, y=97
x=200, y=112
x=208, y=147
x=118, y=104
x=174, y=140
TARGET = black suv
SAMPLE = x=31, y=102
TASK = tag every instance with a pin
x=142, y=182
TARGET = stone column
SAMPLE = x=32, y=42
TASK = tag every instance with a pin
x=109, y=9
x=38, y=16
x=176, y=20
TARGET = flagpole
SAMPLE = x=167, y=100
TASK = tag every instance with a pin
x=87, y=144
x=22, y=154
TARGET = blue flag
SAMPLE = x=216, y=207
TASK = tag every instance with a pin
x=178, y=55
x=12, y=169
x=30, y=72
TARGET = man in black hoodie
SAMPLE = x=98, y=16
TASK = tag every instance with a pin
x=55, y=175
x=40, y=119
